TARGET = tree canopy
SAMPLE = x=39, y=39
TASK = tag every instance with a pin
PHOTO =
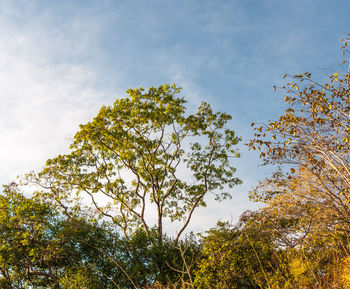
x=146, y=153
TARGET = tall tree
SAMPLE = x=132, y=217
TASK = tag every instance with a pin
x=146, y=153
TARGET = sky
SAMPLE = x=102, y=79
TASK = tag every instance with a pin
x=61, y=60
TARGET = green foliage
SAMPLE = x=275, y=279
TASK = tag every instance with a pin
x=240, y=256
x=254, y=254
x=147, y=262
x=39, y=244
x=26, y=247
x=42, y=248
x=146, y=151
x=80, y=277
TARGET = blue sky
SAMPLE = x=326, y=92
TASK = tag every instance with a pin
x=61, y=60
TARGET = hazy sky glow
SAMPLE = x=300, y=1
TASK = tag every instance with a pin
x=61, y=60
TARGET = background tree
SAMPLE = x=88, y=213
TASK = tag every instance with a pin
x=145, y=153
x=42, y=248
x=239, y=256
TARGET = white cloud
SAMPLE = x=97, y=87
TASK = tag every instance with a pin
x=41, y=102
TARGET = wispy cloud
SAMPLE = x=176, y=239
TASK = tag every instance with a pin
x=41, y=101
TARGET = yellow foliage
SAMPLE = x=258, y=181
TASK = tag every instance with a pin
x=297, y=267
x=345, y=274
